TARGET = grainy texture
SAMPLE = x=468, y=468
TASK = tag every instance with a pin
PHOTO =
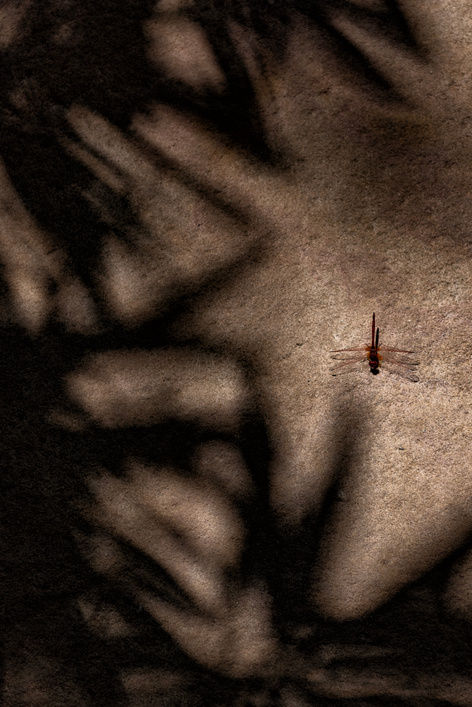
x=199, y=201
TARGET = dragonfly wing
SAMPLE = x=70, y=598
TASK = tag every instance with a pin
x=349, y=359
x=402, y=369
x=387, y=358
x=404, y=373
x=346, y=366
x=360, y=348
x=382, y=348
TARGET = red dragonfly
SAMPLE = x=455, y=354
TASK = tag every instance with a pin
x=375, y=354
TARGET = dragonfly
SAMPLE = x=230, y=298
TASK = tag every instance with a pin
x=377, y=355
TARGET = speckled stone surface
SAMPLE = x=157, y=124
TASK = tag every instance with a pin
x=306, y=540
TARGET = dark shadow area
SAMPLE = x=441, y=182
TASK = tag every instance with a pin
x=66, y=623
x=45, y=577
x=42, y=573
x=410, y=646
x=386, y=19
x=298, y=549
x=92, y=55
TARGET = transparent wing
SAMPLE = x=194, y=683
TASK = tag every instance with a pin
x=347, y=366
x=360, y=348
x=404, y=369
x=386, y=348
x=400, y=360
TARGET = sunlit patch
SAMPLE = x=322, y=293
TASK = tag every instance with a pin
x=238, y=642
x=30, y=261
x=104, y=619
x=197, y=512
x=75, y=307
x=118, y=508
x=174, y=5
x=132, y=284
x=189, y=230
x=191, y=530
x=29, y=293
x=224, y=465
x=254, y=645
x=121, y=388
x=169, y=253
x=119, y=153
x=11, y=16
x=179, y=47
x=104, y=173
x=370, y=552
x=102, y=552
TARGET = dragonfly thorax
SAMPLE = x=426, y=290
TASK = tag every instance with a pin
x=374, y=361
